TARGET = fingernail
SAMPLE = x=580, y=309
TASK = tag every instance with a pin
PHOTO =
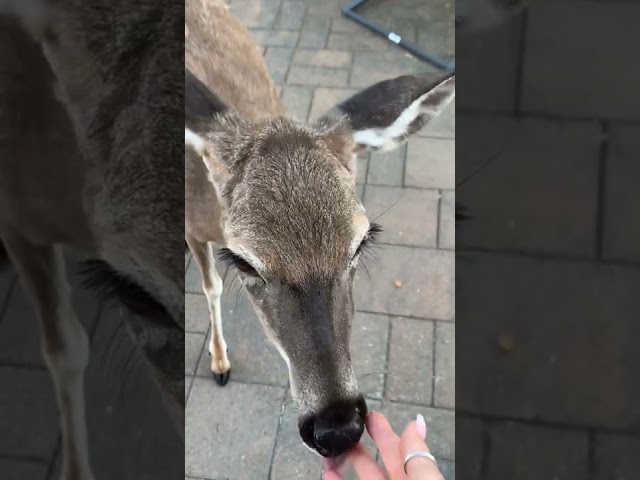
x=421, y=426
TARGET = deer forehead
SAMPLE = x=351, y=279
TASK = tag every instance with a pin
x=298, y=255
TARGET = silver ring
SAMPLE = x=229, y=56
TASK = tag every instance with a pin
x=418, y=454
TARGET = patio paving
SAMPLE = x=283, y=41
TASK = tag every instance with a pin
x=547, y=163
x=247, y=430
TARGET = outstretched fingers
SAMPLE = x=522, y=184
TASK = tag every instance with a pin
x=413, y=440
x=388, y=443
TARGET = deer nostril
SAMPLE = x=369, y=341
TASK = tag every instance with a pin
x=337, y=430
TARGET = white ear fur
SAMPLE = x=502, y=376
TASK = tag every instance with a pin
x=438, y=98
x=431, y=104
x=195, y=141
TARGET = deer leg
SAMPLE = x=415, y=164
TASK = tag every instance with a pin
x=212, y=286
x=65, y=345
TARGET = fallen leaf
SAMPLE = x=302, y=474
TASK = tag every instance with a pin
x=398, y=283
x=506, y=343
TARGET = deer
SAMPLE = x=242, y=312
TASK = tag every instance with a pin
x=91, y=109
x=276, y=197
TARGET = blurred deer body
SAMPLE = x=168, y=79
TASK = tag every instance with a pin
x=92, y=159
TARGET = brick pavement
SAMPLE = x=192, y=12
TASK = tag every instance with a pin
x=551, y=257
x=403, y=338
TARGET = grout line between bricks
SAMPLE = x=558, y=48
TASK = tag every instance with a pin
x=591, y=455
x=409, y=403
x=24, y=458
x=52, y=462
x=385, y=378
x=522, y=46
x=353, y=61
x=275, y=439
x=295, y=49
x=405, y=153
x=433, y=364
x=412, y=317
x=602, y=185
x=545, y=423
x=545, y=256
x=438, y=218
x=484, y=456
x=278, y=15
x=536, y=115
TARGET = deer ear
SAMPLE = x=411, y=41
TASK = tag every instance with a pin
x=205, y=149
x=384, y=115
x=336, y=136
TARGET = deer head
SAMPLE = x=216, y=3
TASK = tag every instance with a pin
x=295, y=232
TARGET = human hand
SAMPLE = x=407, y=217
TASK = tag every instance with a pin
x=393, y=450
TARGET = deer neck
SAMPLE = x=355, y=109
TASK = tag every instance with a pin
x=220, y=52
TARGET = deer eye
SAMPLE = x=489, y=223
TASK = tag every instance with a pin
x=369, y=238
x=233, y=260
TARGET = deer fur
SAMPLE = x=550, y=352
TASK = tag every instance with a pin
x=277, y=196
x=90, y=116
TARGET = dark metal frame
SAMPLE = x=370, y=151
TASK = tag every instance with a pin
x=349, y=12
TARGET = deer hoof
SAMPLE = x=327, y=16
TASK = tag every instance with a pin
x=222, y=378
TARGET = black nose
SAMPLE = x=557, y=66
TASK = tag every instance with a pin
x=338, y=428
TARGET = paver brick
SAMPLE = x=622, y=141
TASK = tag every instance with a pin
x=297, y=100
x=373, y=67
x=220, y=420
x=408, y=216
x=291, y=15
x=387, y=168
x=487, y=68
x=443, y=126
x=427, y=278
x=323, y=58
x=362, y=168
x=278, y=60
x=256, y=13
x=430, y=163
x=31, y=399
x=275, y=38
x=343, y=25
x=530, y=207
x=14, y=469
x=445, y=366
x=368, y=346
x=562, y=342
x=447, y=227
x=617, y=457
x=549, y=82
x=410, y=377
x=470, y=441
x=621, y=235
x=193, y=347
x=562, y=454
x=314, y=31
x=326, y=98
x=197, y=317
x=360, y=41
x=327, y=77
